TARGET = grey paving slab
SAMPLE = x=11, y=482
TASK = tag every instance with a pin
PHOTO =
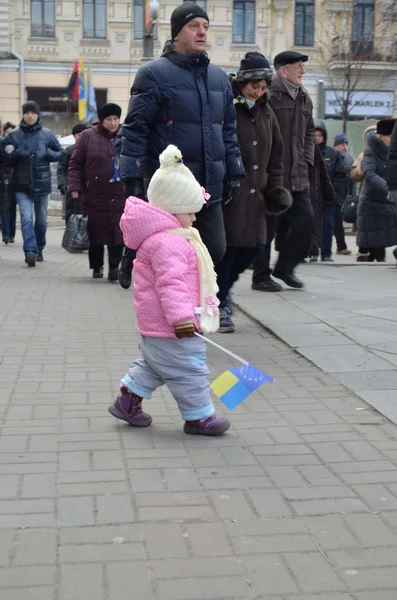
x=281, y=507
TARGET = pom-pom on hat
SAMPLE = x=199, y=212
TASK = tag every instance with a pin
x=173, y=187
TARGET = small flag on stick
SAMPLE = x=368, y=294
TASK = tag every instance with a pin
x=236, y=384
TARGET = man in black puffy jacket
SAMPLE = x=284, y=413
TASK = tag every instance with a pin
x=184, y=100
x=339, y=180
x=30, y=149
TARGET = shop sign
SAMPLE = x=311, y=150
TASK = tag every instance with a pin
x=54, y=100
x=362, y=103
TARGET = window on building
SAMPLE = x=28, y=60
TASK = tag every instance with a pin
x=304, y=23
x=202, y=3
x=244, y=22
x=94, y=18
x=139, y=20
x=363, y=27
x=139, y=8
x=43, y=18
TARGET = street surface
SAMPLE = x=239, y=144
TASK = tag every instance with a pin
x=297, y=502
x=345, y=322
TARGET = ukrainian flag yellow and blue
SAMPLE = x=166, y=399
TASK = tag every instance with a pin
x=234, y=385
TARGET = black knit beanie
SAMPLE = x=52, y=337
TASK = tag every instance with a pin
x=185, y=13
x=31, y=106
x=254, y=67
x=109, y=110
x=79, y=128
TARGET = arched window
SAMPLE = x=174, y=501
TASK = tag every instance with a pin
x=94, y=18
x=304, y=23
x=244, y=22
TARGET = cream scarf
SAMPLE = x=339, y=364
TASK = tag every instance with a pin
x=209, y=316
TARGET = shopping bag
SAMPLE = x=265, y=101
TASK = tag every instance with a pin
x=349, y=209
x=75, y=238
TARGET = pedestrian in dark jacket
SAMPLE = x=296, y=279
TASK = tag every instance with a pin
x=261, y=189
x=31, y=148
x=377, y=215
x=184, y=100
x=322, y=194
x=72, y=206
x=9, y=215
x=94, y=174
x=338, y=176
x=293, y=109
x=341, y=144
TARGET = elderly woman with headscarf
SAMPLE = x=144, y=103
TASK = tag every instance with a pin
x=261, y=191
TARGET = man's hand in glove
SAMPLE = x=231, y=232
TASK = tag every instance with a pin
x=134, y=187
x=62, y=190
x=184, y=329
x=230, y=190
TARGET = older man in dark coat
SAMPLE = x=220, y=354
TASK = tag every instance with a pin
x=293, y=109
x=94, y=174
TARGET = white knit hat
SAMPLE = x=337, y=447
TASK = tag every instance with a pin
x=173, y=187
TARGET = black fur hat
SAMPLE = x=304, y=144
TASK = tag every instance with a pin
x=385, y=126
x=277, y=200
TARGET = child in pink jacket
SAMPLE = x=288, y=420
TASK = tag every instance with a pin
x=175, y=295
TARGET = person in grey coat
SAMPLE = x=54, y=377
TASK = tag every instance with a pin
x=377, y=215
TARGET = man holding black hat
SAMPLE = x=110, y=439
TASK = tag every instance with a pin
x=94, y=174
x=293, y=109
x=71, y=205
x=184, y=100
x=30, y=149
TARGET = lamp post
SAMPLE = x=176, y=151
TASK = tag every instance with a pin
x=150, y=17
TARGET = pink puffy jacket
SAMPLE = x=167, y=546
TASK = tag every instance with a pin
x=166, y=278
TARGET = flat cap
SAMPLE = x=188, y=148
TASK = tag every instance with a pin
x=289, y=57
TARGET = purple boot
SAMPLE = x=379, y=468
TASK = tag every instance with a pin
x=210, y=426
x=128, y=407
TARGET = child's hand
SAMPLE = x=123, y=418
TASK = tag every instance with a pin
x=184, y=329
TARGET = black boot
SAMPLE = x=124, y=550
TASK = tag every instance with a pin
x=125, y=271
x=267, y=285
x=289, y=279
x=97, y=273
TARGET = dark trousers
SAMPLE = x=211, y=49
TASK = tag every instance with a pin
x=299, y=220
x=327, y=233
x=9, y=217
x=234, y=262
x=96, y=256
x=262, y=270
x=209, y=222
x=339, y=230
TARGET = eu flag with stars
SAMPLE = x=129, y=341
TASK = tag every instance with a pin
x=235, y=385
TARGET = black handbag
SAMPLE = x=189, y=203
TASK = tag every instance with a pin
x=349, y=209
x=22, y=175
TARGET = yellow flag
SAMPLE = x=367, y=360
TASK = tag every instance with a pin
x=82, y=91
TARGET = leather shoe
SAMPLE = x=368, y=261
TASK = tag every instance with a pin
x=266, y=286
x=125, y=280
x=289, y=279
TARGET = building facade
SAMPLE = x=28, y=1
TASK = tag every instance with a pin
x=41, y=39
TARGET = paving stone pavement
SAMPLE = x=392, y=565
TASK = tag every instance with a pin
x=297, y=502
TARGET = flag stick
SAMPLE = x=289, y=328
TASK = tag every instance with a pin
x=222, y=348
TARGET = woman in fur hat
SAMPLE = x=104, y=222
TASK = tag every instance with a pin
x=377, y=215
x=261, y=191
